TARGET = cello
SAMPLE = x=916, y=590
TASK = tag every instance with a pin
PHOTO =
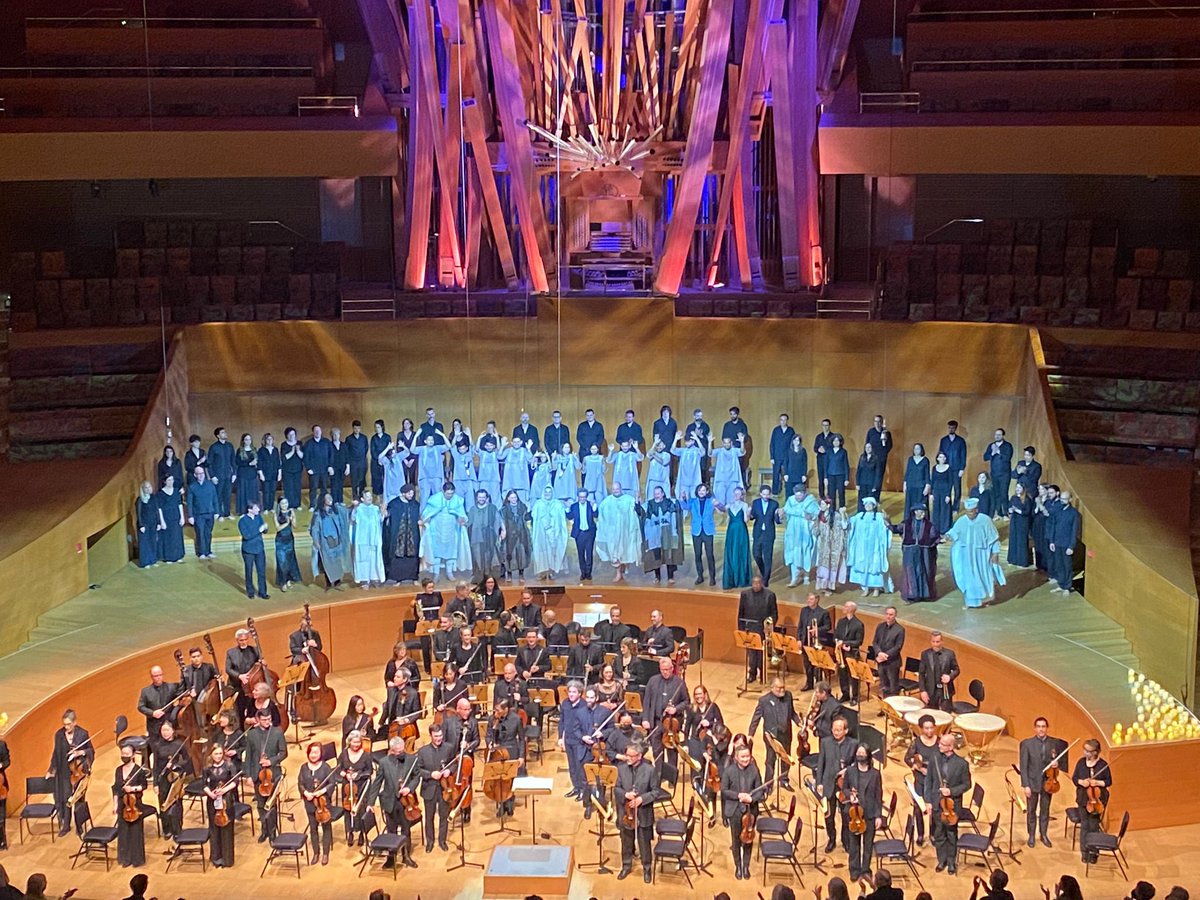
x=315, y=700
x=457, y=790
x=261, y=673
x=498, y=790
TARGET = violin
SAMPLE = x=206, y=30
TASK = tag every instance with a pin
x=411, y=806
x=599, y=752
x=131, y=806
x=713, y=778
x=1095, y=805
x=672, y=724
x=322, y=813
x=266, y=782
x=220, y=816
x=78, y=769
x=749, y=823
x=946, y=811
x=856, y=821
x=348, y=792
x=1050, y=783
x=315, y=699
x=682, y=657
x=841, y=789
x=629, y=817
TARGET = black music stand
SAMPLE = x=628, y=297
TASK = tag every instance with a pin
x=746, y=640
x=604, y=778
x=503, y=770
x=811, y=786
x=462, y=841
x=1014, y=800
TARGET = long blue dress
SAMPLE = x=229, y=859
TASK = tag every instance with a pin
x=170, y=540
x=287, y=567
x=1020, y=510
x=736, y=573
x=147, y=519
x=916, y=476
x=943, y=487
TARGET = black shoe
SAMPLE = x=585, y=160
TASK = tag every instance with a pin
x=843, y=699
x=316, y=860
x=785, y=784
x=409, y=861
x=1031, y=842
x=699, y=579
x=362, y=839
x=808, y=686
x=249, y=596
x=62, y=832
x=623, y=874
x=647, y=876
x=429, y=847
x=712, y=582
x=262, y=838
x=443, y=846
x=264, y=596
x=587, y=811
x=571, y=794
x=952, y=870
x=1045, y=840
x=389, y=864
x=831, y=845
x=940, y=867
x=466, y=817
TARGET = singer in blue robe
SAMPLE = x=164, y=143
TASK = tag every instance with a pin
x=975, y=555
x=867, y=545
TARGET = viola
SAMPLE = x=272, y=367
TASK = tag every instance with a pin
x=856, y=821
x=348, y=792
x=220, y=816
x=266, y=782
x=315, y=699
x=749, y=823
x=131, y=806
x=1095, y=803
x=411, y=806
x=1050, y=784
x=77, y=769
x=629, y=817
x=803, y=748
x=841, y=789
x=946, y=811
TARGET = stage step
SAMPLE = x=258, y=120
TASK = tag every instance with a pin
x=846, y=300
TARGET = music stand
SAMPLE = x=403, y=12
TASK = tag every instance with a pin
x=500, y=660
x=746, y=640
x=817, y=817
x=698, y=772
x=424, y=627
x=1016, y=797
x=558, y=665
x=487, y=627
x=819, y=658
x=604, y=777
x=437, y=668
x=633, y=702
x=294, y=675
x=462, y=840
x=861, y=672
x=504, y=770
x=785, y=765
x=533, y=788
x=790, y=646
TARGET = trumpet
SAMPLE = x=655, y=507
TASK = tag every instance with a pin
x=774, y=656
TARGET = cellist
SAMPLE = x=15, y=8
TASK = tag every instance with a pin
x=738, y=784
x=355, y=766
x=505, y=731
x=461, y=731
x=435, y=761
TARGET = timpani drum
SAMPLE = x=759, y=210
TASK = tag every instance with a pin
x=941, y=720
x=895, y=708
x=979, y=730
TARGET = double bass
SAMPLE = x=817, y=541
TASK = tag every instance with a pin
x=261, y=673
x=315, y=700
x=189, y=726
x=498, y=790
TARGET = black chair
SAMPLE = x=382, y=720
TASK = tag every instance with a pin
x=193, y=794
x=1071, y=824
x=891, y=849
x=889, y=815
x=37, y=812
x=975, y=689
x=973, y=810
x=674, y=848
x=984, y=845
x=774, y=827
x=909, y=682
x=190, y=843
x=94, y=844
x=783, y=850
x=1098, y=842
x=291, y=843
x=672, y=827
x=666, y=797
x=383, y=845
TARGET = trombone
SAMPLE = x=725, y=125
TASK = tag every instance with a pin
x=774, y=656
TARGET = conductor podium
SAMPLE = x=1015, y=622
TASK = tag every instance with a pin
x=518, y=870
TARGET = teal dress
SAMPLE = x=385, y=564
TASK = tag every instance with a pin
x=736, y=573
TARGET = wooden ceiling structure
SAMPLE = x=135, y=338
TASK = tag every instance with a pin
x=525, y=124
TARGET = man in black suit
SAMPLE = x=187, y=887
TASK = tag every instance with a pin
x=1036, y=754
x=776, y=709
x=889, y=647
x=822, y=446
x=397, y=776
x=740, y=784
x=864, y=781
x=949, y=776
x=939, y=668
x=556, y=434
x=815, y=630
x=583, y=532
x=636, y=790
x=836, y=757
x=848, y=635
x=880, y=440
x=755, y=605
x=781, y=442
x=589, y=433
x=765, y=515
x=527, y=433
x=613, y=631
x=434, y=760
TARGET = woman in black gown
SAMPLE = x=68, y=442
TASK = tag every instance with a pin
x=130, y=780
x=220, y=787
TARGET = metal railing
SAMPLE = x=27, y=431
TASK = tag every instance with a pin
x=138, y=22
x=250, y=70
x=1033, y=13
x=345, y=105
x=882, y=101
x=1013, y=63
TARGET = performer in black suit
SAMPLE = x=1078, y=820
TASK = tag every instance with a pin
x=948, y=776
x=634, y=794
x=739, y=785
x=765, y=514
x=888, y=645
x=777, y=711
x=755, y=605
x=848, y=635
x=836, y=758
x=865, y=785
x=1090, y=771
x=70, y=743
x=582, y=514
x=815, y=630
x=1036, y=754
x=939, y=668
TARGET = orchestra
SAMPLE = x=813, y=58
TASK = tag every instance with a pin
x=671, y=732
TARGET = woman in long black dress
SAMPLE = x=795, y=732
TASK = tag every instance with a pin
x=270, y=465
x=170, y=465
x=220, y=787
x=170, y=539
x=287, y=567
x=402, y=542
x=316, y=780
x=130, y=780
x=246, y=472
x=1020, y=511
x=355, y=766
x=149, y=525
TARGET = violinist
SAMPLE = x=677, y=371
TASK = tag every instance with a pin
x=404, y=707
x=777, y=711
x=620, y=737
x=358, y=718
x=427, y=607
x=815, y=630
x=574, y=724
x=220, y=787
x=154, y=701
x=836, y=756
x=948, y=778
x=699, y=720
x=666, y=697
x=864, y=784
x=609, y=691
x=1091, y=771
x=435, y=761
x=1036, y=754
x=511, y=687
x=533, y=659
x=171, y=762
x=505, y=731
x=261, y=699
x=400, y=660
x=555, y=633
x=355, y=766
x=920, y=758
x=936, y=674
x=266, y=749
x=848, y=636
x=129, y=783
x=823, y=711
x=468, y=655
x=739, y=782
x=585, y=659
x=229, y=737
x=315, y=782
x=447, y=691
x=658, y=638
x=398, y=777
x=634, y=795
x=71, y=743
x=240, y=659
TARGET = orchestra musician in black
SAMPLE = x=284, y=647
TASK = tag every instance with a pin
x=936, y=675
